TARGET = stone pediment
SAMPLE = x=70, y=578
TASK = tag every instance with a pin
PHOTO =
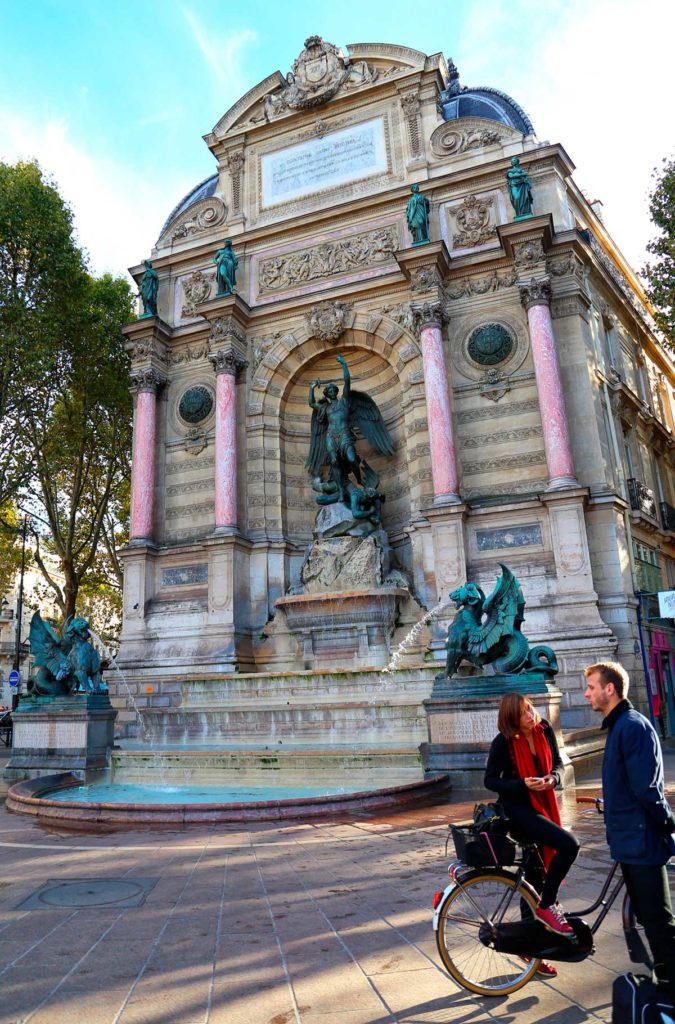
x=320, y=73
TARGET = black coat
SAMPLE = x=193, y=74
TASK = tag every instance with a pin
x=501, y=774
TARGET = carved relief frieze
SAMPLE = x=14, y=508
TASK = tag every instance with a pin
x=499, y=437
x=328, y=320
x=510, y=409
x=141, y=349
x=505, y=462
x=449, y=140
x=468, y=286
x=568, y=265
x=474, y=223
x=185, y=465
x=196, y=289
x=514, y=487
x=201, y=216
x=328, y=259
x=189, y=353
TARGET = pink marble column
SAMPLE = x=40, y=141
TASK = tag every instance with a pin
x=145, y=384
x=535, y=297
x=439, y=414
x=226, y=364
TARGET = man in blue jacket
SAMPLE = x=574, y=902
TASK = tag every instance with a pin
x=638, y=818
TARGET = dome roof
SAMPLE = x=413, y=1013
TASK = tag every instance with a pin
x=203, y=190
x=459, y=101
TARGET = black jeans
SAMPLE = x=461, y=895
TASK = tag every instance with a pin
x=528, y=826
x=649, y=893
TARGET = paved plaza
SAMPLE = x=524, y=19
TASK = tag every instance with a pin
x=297, y=923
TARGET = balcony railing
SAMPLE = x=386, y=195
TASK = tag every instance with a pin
x=641, y=498
x=667, y=516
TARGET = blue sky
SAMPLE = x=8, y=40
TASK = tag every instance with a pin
x=113, y=99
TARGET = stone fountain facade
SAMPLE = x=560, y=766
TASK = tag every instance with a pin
x=482, y=351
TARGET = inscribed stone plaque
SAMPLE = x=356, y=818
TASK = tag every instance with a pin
x=509, y=537
x=344, y=156
x=184, y=575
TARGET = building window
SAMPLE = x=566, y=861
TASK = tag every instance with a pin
x=647, y=572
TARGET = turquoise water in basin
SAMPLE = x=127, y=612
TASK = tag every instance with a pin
x=131, y=794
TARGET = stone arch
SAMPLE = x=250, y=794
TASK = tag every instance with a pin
x=387, y=362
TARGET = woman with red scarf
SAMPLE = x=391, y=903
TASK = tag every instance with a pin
x=524, y=768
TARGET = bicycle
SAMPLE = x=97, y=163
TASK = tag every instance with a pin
x=490, y=942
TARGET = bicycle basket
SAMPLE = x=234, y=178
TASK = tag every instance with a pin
x=480, y=850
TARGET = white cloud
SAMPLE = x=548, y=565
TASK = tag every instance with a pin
x=222, y=54
x=118, y=211
x=596, y=77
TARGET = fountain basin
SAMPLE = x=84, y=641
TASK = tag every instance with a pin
x=62, y=799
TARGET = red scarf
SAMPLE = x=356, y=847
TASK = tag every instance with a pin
x=544, y=800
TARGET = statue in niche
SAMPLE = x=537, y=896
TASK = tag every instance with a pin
x=520, y=189
x=65, y=664
x=226, y=269
x=417, y=215
x=335, y=421
x=148, y=291
x=486, y=631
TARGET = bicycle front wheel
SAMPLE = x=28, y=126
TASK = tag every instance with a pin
x=484, y=897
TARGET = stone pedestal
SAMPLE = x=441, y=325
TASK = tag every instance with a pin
x=462, y=722
x=62, y=734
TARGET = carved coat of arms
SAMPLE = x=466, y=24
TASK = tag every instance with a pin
x=318, y=73
x=473, y=221
x=328, y=320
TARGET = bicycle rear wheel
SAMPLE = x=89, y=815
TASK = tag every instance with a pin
x=483, y=897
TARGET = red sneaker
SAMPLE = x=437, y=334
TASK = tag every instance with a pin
x=546, y=969
x=554, y=919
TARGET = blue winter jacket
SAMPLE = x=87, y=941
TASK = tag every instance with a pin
x=638, y=818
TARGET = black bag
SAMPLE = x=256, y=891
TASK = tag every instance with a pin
x=637, y=1000
x=478, y=848
x=490, y=818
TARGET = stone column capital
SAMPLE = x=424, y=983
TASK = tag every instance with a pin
x=226, y=360
x=535, y=292
x=427, y=314
x=148, y=379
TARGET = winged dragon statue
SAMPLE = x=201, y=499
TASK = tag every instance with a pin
x=486, y=631
x=336, y=423
x=65, y=663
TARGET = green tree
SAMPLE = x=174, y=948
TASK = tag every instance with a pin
x=41, y=276
x=10, y=547
x=660, y=273
x=64, y=399
x=77, y=424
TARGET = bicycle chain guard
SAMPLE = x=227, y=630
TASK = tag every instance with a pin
x=532, y=939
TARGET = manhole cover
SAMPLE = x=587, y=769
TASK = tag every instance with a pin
x=80, y=893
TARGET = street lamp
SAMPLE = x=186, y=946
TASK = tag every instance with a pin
x=19, y=605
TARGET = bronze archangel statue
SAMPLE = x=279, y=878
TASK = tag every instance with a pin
x=335, y=423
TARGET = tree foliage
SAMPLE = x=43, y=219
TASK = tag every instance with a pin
x=64, y=379
x=660, y=273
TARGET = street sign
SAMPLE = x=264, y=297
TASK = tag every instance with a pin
x=14, y=678
x=667, y=604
